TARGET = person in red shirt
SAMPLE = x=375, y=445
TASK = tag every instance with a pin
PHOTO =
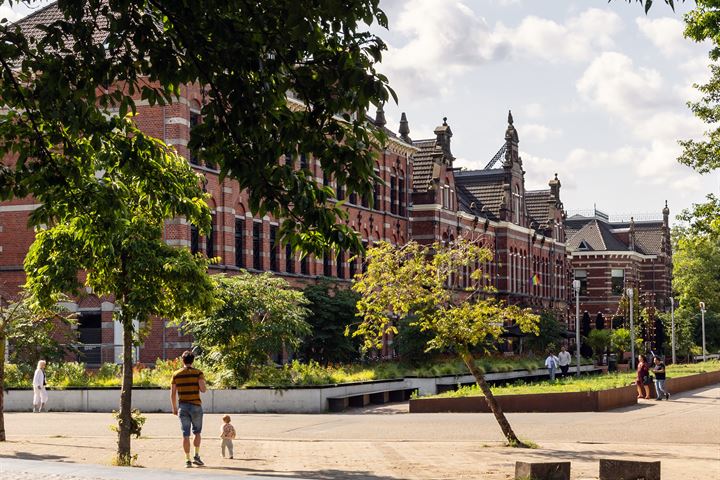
x=643, y=378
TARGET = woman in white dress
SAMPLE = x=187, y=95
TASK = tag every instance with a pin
x=40, y=396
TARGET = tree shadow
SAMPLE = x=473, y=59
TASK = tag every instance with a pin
x=34, y=456
x=327, y=474
x=594, y=455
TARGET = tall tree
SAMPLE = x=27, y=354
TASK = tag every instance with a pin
x=255, y=316
x=22, y=321
x=73, y=77
x=105, y=229
x=427, y=282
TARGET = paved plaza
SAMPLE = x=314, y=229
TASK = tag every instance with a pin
x=376, y=444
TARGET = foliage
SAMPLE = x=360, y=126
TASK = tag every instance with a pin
x=410, y=343
x=550, y=330
x=599, y=340
x=585, y=383
x=247, y=56
x=332, y=310
x=620, y=341
x=648, y=3
x=255, y=316
x=684, y=332
x=428, y=282
x=66, y=374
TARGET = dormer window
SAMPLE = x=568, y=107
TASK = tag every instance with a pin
x=584, y=246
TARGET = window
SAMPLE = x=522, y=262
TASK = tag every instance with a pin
x=327, y=266
x=304, y=265
x=257, y=245
x=363, y=265
x=326, y=179
x=210, y=240
x=340, y=264
x=376, y=196
x=393, y=195
x=582, y=276
x=516, y=206
x=446, y=197
x=340, y=192
x=303, y=161
x=353, y=267
x=289, y=259
x=365, y=201
x=194, y=239
x=401, y=195
x=289, y=158
x=353, y=198
x=273, y=249
x=618, y=281
x=239, y=242
x=194, y=122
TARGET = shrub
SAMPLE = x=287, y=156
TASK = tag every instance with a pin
x=17, y=376
x=67, y=374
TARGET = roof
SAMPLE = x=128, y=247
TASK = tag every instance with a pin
x=423, y=163
x=538, y=205
x=601, y=235
x=49, y=14
x=484, y=188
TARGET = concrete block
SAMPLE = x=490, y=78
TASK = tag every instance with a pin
x=628, y=470
x=379, y=398
x=542, y=470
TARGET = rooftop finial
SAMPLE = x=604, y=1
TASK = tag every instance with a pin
x=556, y=176
x=510, y=119
x=380, y=117
x=445, y=121
x=404, y=129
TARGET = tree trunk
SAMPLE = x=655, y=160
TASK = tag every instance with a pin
x=507, y=430
x=125, y=418
x=2, y=383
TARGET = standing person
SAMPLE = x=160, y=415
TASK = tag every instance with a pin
x=40, y=395
x=551, y=363
x=187, y=383
x=227, y=434
x=564, y=360
x=659, y=372
x=643, y=378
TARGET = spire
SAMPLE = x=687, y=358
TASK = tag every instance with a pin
x=511, y=134
x=666, y=210
x=380, y=117
x=404, y=129
x=444, y=134
x=632, y=234
x=555, y=188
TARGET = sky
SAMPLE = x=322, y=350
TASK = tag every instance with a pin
x=598, y=92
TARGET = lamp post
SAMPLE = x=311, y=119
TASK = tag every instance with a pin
x=702, y=316
x=630, y=294
x=672, y=327
x=576, y=286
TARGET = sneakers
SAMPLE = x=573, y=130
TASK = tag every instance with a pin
x=658, y=399
x=188, y=464
x=667, y=396
x=197, y=461
x=231, y=457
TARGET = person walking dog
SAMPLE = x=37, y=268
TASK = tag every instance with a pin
x=40, y=395
x=187, y=384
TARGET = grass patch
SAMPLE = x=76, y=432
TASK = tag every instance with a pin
x=523, y=444
x=586, y=383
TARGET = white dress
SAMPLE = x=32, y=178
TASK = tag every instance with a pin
x=40, y=395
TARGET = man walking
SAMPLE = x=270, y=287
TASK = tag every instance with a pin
x=564, y=360
x=187, y=383
x=659, y=372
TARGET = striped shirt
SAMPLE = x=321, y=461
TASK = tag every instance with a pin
x=187, y=381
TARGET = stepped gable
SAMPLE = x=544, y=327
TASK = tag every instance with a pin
x=485, y=188
x=538, y=204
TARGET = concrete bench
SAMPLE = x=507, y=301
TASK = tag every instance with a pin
x=379, y=397
x=628, y=470
x=542, y=470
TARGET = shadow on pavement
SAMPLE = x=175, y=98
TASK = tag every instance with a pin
x=593, y=455
x=328, y=474
x=33, y=456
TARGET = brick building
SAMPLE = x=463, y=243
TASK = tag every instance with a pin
x=608, y=257
x=524, y=228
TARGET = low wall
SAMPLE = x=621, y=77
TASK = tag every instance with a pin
x=598, y=401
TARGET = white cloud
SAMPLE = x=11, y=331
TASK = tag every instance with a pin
x=12, y=14
x=539, y=171
x=532, y=110
x=666, y=34
x=534, y=132
x=575, y=40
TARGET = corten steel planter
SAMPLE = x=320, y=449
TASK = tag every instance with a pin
x=598, y=401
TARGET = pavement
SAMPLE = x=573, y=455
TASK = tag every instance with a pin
x=381, y=443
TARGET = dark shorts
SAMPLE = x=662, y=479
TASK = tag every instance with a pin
x=190, y=416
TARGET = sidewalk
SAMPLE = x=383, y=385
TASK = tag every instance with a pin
x=51, y=470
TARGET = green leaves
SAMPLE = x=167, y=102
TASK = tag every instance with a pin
x=254, y=316
x=429, y=283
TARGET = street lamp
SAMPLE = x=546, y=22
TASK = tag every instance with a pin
x=630, y=294
x=576, y=286
x=672, y=327
x=702, y=316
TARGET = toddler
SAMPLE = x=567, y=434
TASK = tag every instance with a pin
x=227, y=434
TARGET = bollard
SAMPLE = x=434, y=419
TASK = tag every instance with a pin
x=628, y=470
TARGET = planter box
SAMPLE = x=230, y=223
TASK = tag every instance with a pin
x=598, y=401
